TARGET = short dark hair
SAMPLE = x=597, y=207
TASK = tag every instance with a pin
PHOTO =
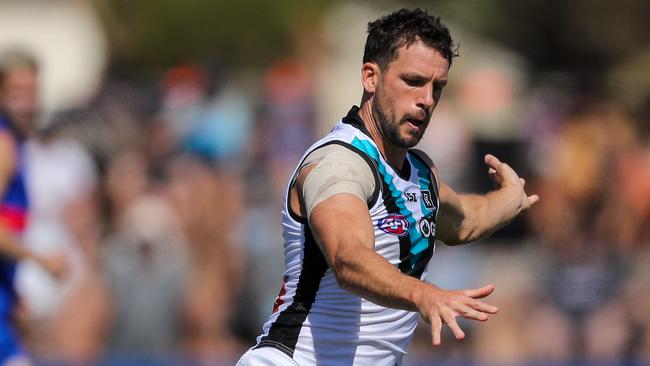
x=402, y=28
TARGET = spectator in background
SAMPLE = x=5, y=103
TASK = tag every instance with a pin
x=287, y=120
x=207, y=118
x=18, y=110
x=284, y=128
x=145, y=261
x=208, y=201
x=580, y=224
x=61, y=181
x=169, y=219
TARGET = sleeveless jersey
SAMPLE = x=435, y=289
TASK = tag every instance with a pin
x=315, y=321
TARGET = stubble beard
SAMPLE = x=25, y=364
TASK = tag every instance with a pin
x=389, y=128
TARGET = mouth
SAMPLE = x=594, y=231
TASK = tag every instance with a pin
x=416, y=122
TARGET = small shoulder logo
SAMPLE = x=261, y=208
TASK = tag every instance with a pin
x=428, y=227
x=426, y=197
x=394, y=224
x=411, y=197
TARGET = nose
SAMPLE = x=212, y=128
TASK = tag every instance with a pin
x=426, y=99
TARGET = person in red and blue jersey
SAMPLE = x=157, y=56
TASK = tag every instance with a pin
x=18, y=108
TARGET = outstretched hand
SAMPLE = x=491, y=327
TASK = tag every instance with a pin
x=438, y=307
x=504, y=176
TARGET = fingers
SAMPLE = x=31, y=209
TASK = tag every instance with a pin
x=483, y=307
x=452, y=303
x=469, y=313
x=449, y=317
x=492, y=161
x=501, y=174
x=480, y=293
x=494, y=177
x=496, y=166
x=450, y=320
x=436, y=328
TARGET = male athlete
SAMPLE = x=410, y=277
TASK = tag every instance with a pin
x=363, y=211
x=18, y=104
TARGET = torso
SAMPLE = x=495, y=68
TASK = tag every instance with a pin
x=314, y=320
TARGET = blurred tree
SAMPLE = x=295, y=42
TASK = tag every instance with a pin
x=149, y=35
x=584, y=38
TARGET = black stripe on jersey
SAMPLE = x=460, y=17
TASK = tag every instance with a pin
x=404, y=241
x=419, y=154
x=284, y=331
x=353, y=119
x=422, y=262
x=373, y=167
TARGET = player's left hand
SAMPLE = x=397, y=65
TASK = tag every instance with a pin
x=504, y=177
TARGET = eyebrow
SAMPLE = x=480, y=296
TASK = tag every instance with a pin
x=412, y=75
x=417, y=76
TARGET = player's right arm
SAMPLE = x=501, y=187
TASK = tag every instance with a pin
x=8, y=246
x=342, y=228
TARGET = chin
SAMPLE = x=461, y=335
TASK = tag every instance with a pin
x=407, y=143
x=411, y=141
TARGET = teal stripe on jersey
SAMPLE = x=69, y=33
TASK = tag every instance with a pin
x=425, y=183
x=417, y=240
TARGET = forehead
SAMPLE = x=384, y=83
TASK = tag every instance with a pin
x=420, y=58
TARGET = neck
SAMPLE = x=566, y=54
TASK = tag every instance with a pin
x=394, y=155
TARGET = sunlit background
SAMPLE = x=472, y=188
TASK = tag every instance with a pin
x=168, y=130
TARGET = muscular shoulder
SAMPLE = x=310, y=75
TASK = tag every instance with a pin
x=335, y=169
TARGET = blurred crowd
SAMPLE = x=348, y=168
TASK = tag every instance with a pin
x=163, y=196
x=574, y=286
x=163, y=199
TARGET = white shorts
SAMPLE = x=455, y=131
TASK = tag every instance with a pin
x=266, y=356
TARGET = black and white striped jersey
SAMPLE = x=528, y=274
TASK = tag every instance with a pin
x=315, y=321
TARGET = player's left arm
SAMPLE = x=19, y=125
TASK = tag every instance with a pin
x=464, y=218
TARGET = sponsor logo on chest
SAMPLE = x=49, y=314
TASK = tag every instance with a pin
x=424, y=195
x=394, y=224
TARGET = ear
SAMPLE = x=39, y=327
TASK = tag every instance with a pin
x=370, y=76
